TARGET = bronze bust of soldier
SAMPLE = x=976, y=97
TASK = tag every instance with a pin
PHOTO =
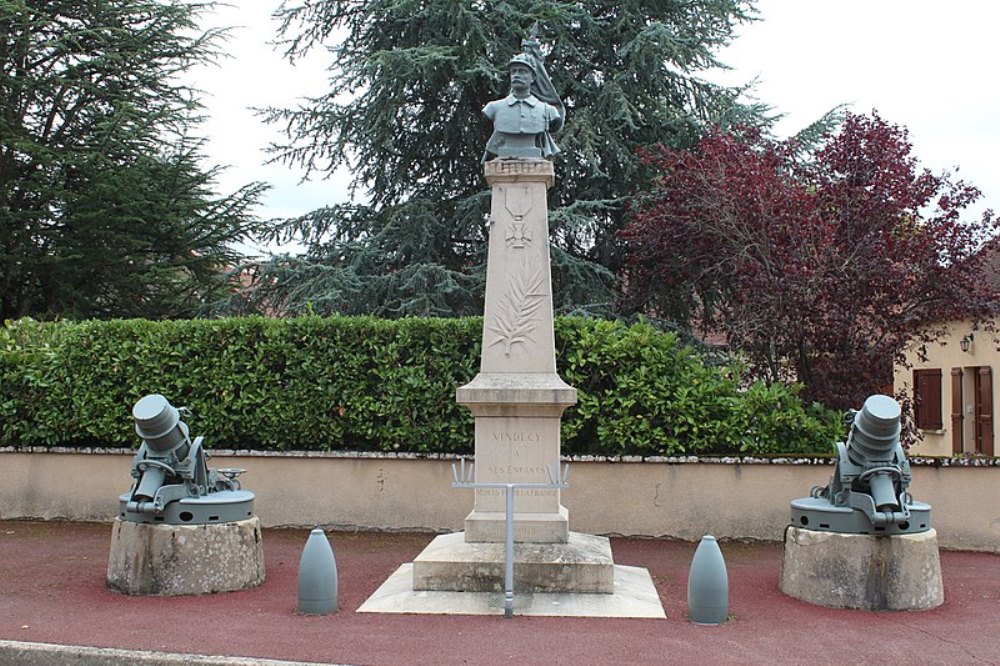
x=524, y=121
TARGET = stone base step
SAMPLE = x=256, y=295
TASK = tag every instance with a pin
x=582, y=565
x=635, y=597
x=536, y=527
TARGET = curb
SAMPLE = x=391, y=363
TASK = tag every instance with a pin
x=18, y=653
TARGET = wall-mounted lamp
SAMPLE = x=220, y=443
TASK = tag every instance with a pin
x=966, y=342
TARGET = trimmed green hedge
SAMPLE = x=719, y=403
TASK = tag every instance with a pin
x=359, y=383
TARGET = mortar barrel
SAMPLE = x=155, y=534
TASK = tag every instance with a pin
x=876, y=429
x=158, y=423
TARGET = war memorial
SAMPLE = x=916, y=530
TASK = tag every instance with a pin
x=186, y=529
x=860, y=542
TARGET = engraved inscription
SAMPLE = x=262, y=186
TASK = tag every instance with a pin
x=514, y=322
x=516, y=437
x=496, y=532
x=534, y=492
x=518, y=492
x=515, y=469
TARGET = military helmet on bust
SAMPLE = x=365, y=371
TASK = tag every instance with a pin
x=523, y=59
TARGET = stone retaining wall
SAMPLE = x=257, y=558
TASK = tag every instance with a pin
x=680, y=498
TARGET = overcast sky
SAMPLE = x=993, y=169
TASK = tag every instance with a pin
x=926, y=65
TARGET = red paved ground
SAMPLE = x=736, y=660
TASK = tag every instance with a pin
x=52, y=591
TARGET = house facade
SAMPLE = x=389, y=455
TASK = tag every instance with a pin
x=953, y=394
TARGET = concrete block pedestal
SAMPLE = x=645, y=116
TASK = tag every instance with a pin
x=517, y=418
x=583, y=565
x=897, y=572
x=174, y=560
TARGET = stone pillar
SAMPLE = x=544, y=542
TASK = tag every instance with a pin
x=517, y=398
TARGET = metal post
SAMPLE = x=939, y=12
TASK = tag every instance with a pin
x=508, y=574
x=463, y=479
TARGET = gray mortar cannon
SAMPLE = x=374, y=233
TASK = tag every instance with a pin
x=868, y=492
x=173, y=483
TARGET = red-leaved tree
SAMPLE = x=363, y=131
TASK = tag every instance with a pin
x=820, y=270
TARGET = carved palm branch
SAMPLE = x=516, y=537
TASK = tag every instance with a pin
x=514, y=323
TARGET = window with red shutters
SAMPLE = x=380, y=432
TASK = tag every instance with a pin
x=927, y=398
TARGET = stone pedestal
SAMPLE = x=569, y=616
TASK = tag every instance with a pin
x=897, y=572
x=517, y=398
x=173, y=560
x=582, y=565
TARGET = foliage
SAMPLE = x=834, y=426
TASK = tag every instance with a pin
x=403, y=113
x=104, y=208
x=821, y=270
x=378, y=385
x=640, y=391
